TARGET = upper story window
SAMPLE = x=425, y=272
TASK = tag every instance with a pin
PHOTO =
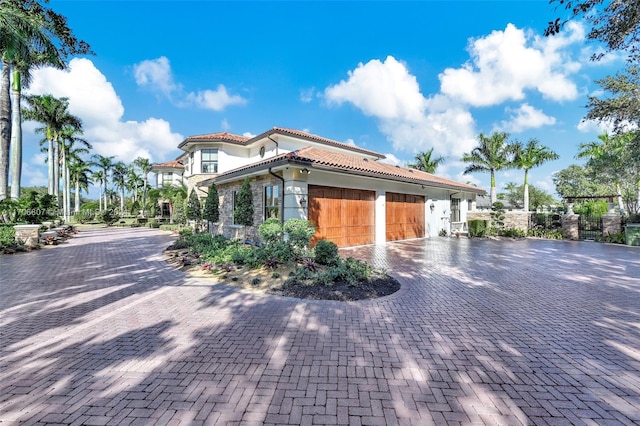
x=209, y=161
x=167, y=177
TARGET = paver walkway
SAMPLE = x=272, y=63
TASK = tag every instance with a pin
x=100, y=330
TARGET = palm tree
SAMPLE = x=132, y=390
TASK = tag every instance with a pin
x=120, y=171
x=105, y=163
x=174, y=193
x=79, y=172
x=99, y=177
x=30, y=36
x=527, y=157
x=425, y=162
x=134, y=182
x=70, y=152
x=604, y=156
x=491, y=155
x=54, y=114
x=145, y=168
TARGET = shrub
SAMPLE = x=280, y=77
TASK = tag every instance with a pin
x=211, y=211
x=299, y=231
x=512, y=232
x=7, y=236
x=497, y=214
x=477, y=227
x=109, y=217
x=243, y=214
x=270, y=231
x=326, y=252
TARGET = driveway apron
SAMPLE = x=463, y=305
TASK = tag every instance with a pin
x=100, y=330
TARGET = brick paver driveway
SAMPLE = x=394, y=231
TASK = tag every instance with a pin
x=100, y=331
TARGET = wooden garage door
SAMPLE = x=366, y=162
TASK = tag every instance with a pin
x=344, y=216
x=405, y=216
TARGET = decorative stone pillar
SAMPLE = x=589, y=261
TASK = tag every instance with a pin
x=570, y=227
x=611, y=224
x=29, y=234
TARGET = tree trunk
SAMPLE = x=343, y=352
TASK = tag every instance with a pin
x=5, y=128
x=16, y=137
x=619, y=194
x=144, y=197
x=494, y=195
x=122, y=201
x=56, y=171
x=105, y=191
x=51, y=165
x=526, y=191
x=76, y=203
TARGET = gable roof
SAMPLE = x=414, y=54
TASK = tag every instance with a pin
x=320, y=159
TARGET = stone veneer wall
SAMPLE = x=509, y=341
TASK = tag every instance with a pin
x=513, y=219
x=225, y=191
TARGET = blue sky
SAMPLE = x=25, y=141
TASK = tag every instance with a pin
x=393, y=77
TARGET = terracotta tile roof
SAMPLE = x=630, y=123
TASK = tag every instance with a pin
x=174, y=164
x=332, y=161
x=315, y=138
x=220, y=136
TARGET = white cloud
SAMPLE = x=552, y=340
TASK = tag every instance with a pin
x=216, y=100
x=506, y=63
x=350, y=141
x=224, y=124
x=306, y=95
x=393, y=160
x=248, y=135
x=387, y=91
x=93, y=99
x=525, y=117
x=156, y=75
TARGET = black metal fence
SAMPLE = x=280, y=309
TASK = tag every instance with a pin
x=590, y=227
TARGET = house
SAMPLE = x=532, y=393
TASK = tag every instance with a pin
x=170, y=173
x=351, y=196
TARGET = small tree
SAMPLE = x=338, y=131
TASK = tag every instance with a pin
x=243, y=214
x=194, y=212
x=211, y=211
x=497, y=215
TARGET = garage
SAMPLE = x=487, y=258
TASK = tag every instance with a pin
x=344, y=216
x=404, y=216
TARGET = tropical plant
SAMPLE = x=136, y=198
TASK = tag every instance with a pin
x=54, y=114
x=30, y=36
x=299, y=232
x=119, y=174
x=175, y=194
x=492, y=154
x=145, y=167
x=270, y=231
x=424, y=161
x=529, y=156
x=105, y=164
x=99, y=177
x=70, y=154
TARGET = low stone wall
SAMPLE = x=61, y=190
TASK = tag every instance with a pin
x=513, y=219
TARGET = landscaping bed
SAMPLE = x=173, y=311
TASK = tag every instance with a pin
x=280, y=268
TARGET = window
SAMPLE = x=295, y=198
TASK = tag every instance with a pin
x=271, y=202
x=455, y=210
x=167, y=177
x=209, y=161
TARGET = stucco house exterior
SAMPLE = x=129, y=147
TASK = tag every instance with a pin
x=351, y=196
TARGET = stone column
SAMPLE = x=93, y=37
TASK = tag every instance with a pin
x=611, y=224
x=29, y=234
x=570, y=229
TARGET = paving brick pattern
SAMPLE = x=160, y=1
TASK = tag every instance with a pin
x=100, y=331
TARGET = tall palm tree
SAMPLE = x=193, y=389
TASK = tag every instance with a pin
x=119, y=175
x=31, y=35
x=145, y=168
x=424, y=161
x=99, y=177
x=79, y=172
x=54, y=114
x=106, y=164
x=491, y=155
x=526, y=157
x=134, y=182
x=72, y=147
